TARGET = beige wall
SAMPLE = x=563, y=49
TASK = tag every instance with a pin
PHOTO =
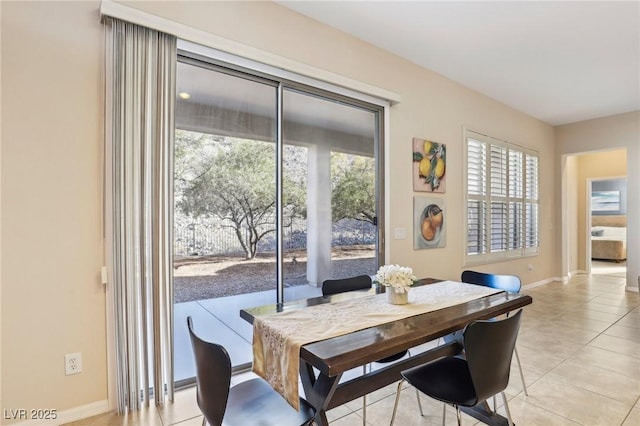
x=52, y=299
x=52, y=302
x=432, y=107
x=603, y=134
x=605, y=164
x=571, y=197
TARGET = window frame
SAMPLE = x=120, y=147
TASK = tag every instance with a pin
x=496, y=194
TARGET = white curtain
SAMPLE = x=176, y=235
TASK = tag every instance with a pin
x=140, y=99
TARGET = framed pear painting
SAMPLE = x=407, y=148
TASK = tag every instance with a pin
x=429, y=216
x=429, y=166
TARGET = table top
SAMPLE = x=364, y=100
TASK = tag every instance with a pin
x=249, y=314
x=342, y=353
x=338, y=354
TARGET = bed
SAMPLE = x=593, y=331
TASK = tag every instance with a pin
x=609, y=237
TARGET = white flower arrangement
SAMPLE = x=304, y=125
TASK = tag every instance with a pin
x=396, y=276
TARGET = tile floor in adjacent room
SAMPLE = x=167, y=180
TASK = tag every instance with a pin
x=579, y=345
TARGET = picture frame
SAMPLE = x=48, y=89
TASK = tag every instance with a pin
x=605, y=201
x=429, y=223
x=429, y=166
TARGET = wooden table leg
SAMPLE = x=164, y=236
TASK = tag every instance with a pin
x=318, y=390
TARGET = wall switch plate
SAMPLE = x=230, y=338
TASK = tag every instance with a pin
x=72, y=363
x=399, y=233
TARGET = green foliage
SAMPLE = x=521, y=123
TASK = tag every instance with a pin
x=353, y=184
x=234, y=180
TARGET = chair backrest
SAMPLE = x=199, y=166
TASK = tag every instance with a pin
x=488, y=347
x=360, y=282
x=213, y=377
x=508, y=283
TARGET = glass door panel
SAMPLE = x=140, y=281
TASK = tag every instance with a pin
x=329, y=189
x=225, y=190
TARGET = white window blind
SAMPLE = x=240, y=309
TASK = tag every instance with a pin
x=502, y=199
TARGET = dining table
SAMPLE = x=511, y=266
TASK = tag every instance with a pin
x=320, y=338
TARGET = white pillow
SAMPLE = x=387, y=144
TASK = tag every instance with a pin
x=618, y=233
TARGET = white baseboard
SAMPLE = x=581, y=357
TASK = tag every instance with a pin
x=72, y=414
x=543, y=282
x=566, y=280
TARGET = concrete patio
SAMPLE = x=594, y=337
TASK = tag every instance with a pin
x=218, y=320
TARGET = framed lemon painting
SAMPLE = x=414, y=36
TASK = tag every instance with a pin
x=429, y=166
x=429, y=217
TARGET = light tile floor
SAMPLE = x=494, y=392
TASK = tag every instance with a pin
x=579, y=345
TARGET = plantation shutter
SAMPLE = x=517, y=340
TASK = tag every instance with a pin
x=532, y=238
x=498, y=198
x=516, y=178
x=476, y=204
x=502, y=199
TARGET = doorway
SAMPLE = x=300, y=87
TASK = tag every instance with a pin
x=580, y=170
x=606, y=219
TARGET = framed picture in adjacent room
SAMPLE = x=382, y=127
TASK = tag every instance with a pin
x=605, y=201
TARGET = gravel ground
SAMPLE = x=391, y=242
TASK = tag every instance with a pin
x=207, y=277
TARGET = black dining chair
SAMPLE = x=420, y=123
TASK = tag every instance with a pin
x=470, y=380
x=341, y=285
x=360, y=282
x=252, y=402
x=508, y=283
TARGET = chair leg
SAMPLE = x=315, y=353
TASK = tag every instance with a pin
x=524, y=385
x=364, y=399
x=364, y=410
x=444, y=414
x=487, y=408
x=395, y=404
x=506, y=407
x=204, y=421
x=419, y=403
x=459, y=416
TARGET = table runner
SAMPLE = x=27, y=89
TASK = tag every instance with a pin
x=277, y=338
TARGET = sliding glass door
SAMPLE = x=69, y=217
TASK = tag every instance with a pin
x=276, y=190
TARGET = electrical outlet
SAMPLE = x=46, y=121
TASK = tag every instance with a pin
x=529, y=267
x=73, y=363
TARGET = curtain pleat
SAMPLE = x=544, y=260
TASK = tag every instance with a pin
x=141, y=69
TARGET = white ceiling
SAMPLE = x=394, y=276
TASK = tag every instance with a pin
x=560, y=62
